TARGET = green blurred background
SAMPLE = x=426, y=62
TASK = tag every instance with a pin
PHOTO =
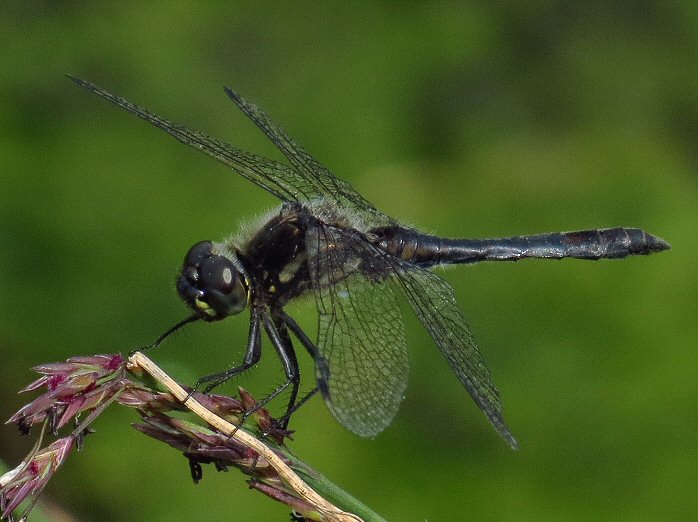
x=480, y=120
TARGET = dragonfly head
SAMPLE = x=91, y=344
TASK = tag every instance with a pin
x=211, y=283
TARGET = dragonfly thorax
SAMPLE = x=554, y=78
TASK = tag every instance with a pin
x=212, y=283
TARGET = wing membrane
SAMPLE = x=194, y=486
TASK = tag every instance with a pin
x=361, y=332
x=303, y=181
x=278, y=179
x=434, y=303
x=319, y=181
x=366, y=355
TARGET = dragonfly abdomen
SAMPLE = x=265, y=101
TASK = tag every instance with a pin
x=426, y=250
x=409, y=245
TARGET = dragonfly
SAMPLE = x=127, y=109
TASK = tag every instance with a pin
x=328, y=241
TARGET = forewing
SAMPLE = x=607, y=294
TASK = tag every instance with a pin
x=304, y=180
x=434, y=303
x=281, y=180
x=318, y=181
x=361, y=331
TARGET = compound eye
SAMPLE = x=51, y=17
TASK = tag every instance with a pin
x=217, y=273
x=197, y=254
x=191, y=274
x=222, y=286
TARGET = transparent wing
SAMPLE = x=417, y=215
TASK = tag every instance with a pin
x=318, y=181
x=304, y=180
x=361, y=332
x=278, y=179
x=434, y=303
x=366, y=356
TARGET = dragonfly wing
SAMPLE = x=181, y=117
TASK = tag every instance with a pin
x=283, y=181
x=361, y=333
x=318, y=181
x=434, y=303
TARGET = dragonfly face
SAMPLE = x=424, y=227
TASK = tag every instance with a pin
x=211, y=284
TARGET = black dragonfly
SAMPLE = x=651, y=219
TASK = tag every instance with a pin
x=329, y=241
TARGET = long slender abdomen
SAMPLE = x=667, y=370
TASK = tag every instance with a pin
x=426, y=250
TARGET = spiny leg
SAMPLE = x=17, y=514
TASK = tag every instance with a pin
x=322, y=375
x=323, y=371
x=277, y=332
x=283, y=421
x=169, y=332
x=252, y=356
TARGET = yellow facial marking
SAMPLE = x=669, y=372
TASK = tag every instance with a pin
x=205, y=307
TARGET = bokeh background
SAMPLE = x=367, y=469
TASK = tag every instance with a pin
x=475, y=120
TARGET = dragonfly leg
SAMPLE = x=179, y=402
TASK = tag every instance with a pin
x=252, y=356
x=323, y=373
x=169, y=332
x=277, y=332
x=283, y=421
